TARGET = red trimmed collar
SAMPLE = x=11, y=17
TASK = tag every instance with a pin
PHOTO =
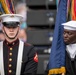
x=12, y=43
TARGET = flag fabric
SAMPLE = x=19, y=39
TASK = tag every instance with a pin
x=69, y=4
x=71, y=10
x=6, y=7
x=57, y=56
x=57, y=2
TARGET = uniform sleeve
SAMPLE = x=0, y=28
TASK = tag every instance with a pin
x=32, y=64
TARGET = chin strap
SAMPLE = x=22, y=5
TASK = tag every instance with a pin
x=9, y=37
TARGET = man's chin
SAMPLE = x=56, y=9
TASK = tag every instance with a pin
x=66, y=42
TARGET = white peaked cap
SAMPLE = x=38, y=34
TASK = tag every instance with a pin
x=11, y=17
x=70, y=25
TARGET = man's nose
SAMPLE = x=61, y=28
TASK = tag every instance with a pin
x=65, y=35
x=11, y=29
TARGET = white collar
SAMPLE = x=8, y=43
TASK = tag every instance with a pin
x=71, y=49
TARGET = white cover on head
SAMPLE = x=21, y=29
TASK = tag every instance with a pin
x=70, y=25
x=11, y=17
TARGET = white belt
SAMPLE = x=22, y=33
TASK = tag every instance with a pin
x=19, y=59
x=1, y=59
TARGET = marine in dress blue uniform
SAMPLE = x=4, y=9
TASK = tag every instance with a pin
x=29, y=60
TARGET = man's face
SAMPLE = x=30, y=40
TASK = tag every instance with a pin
x=11, y=32
x=69, y=36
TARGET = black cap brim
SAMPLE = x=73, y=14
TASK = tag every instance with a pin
x=11, y=24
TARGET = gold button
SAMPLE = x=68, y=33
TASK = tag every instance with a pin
x=10, y=65
x=10, y=54
x=10, y=71
x=13, y=43
x=7, y=43
x=10, y=59
x=10, y=48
